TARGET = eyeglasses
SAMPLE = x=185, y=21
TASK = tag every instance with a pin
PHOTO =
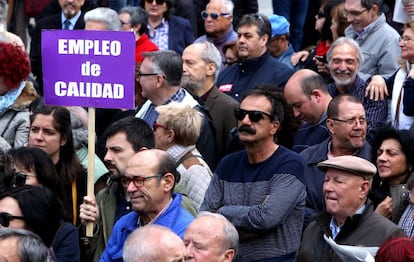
x=139, y=74
x=347, y=13
x=405, y=40
x=137, y=180
x=320, y=14
x=254, y=115
x=155, y=125
x=352, y=122
x=6, y=217
x=125, y=23
x=19, y=179
x=213, y=16
x=159, y=2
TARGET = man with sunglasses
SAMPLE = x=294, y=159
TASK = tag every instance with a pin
x=255, y=66
x=218, y=18
x=149, y=179
x=378, y=41
x=261, y=189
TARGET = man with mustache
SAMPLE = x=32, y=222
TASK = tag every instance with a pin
x=344, y=62
x=261, y=189
x=71, y=18
x=347, y=123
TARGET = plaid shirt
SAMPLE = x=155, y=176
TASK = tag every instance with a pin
x=159, y=35
x=406, y=222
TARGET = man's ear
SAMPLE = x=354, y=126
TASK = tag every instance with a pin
x=329, y=125
x=229, y=255
x=211, y=69
x=167, y=182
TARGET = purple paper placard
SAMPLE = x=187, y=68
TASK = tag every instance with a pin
x=89, y=68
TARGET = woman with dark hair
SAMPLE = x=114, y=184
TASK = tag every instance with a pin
x=392, y=154
x=36, y=208
x=167, y=31
x=51, y=131
x=32, y=166
x=16, y=94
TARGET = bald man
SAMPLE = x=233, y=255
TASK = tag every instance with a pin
x=306, y=92
x=153, y=243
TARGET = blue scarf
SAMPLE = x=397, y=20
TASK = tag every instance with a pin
x=10, y=97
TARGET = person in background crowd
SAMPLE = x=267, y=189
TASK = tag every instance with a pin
x=37, y=209
x=396, y=250
x=306, y=92
x=153, y=243
x=16, y=94
x=102, y=18
x=230, y=54
x=70, y=18
x=218, y=18
x=392, y=151
x=149, y=178
x=376, y=38
x=201, y=66
x=349, y=217
x=261, y=189
x=256, y=66
x=135, y=19
x=211, y=238
x=339, y=22
x=347, y=123
x=22, y=245
x=176, y=131
x=167, y=31
x=51, y=131
x=279, y=45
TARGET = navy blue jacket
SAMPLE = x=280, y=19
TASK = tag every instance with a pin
x=247, y=74
x=180, y=34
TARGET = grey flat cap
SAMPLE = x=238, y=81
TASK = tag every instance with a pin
x=352, y=164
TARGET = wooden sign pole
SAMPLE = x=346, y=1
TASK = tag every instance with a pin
x=91, y=162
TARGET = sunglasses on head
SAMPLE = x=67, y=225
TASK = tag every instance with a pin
x=159, y=2
x=254, y=115
x=213, y=16
x=6, y=217
x=19, y=179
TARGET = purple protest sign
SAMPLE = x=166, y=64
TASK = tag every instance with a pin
x=89, y=68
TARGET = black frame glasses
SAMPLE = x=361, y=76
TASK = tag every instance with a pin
x=140, y=74
x=320, y=14
x=159, y=2
x=6, y=217
x=347, y=13
x=19, y=178
x=254, y=115
x=214, y=16
x=138, y=181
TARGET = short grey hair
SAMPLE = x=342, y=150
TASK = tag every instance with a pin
x=105, y=15
x=211, y=54
x=228, y=6
x=168, y=63
x=30, y=246
x=349, y=41
x=230, y=234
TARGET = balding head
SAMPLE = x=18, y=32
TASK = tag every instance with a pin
x=153, y=243
x=306, y=92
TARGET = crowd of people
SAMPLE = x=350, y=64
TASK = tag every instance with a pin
x=245, y=144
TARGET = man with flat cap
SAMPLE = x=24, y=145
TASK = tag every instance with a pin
x=349, y=218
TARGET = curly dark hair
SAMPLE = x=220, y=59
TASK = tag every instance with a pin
x=14, y=64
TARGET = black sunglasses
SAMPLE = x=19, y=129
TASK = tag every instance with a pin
x=254, y=115
x=19, y=179
x=6, y=217
x=320, y=14
x=159, y=2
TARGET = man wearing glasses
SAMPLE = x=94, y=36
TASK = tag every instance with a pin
x=344, y=63
x=218, y=18
x=261, y=189
x=149, y=180
x=347, y=123
x=377, y=39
